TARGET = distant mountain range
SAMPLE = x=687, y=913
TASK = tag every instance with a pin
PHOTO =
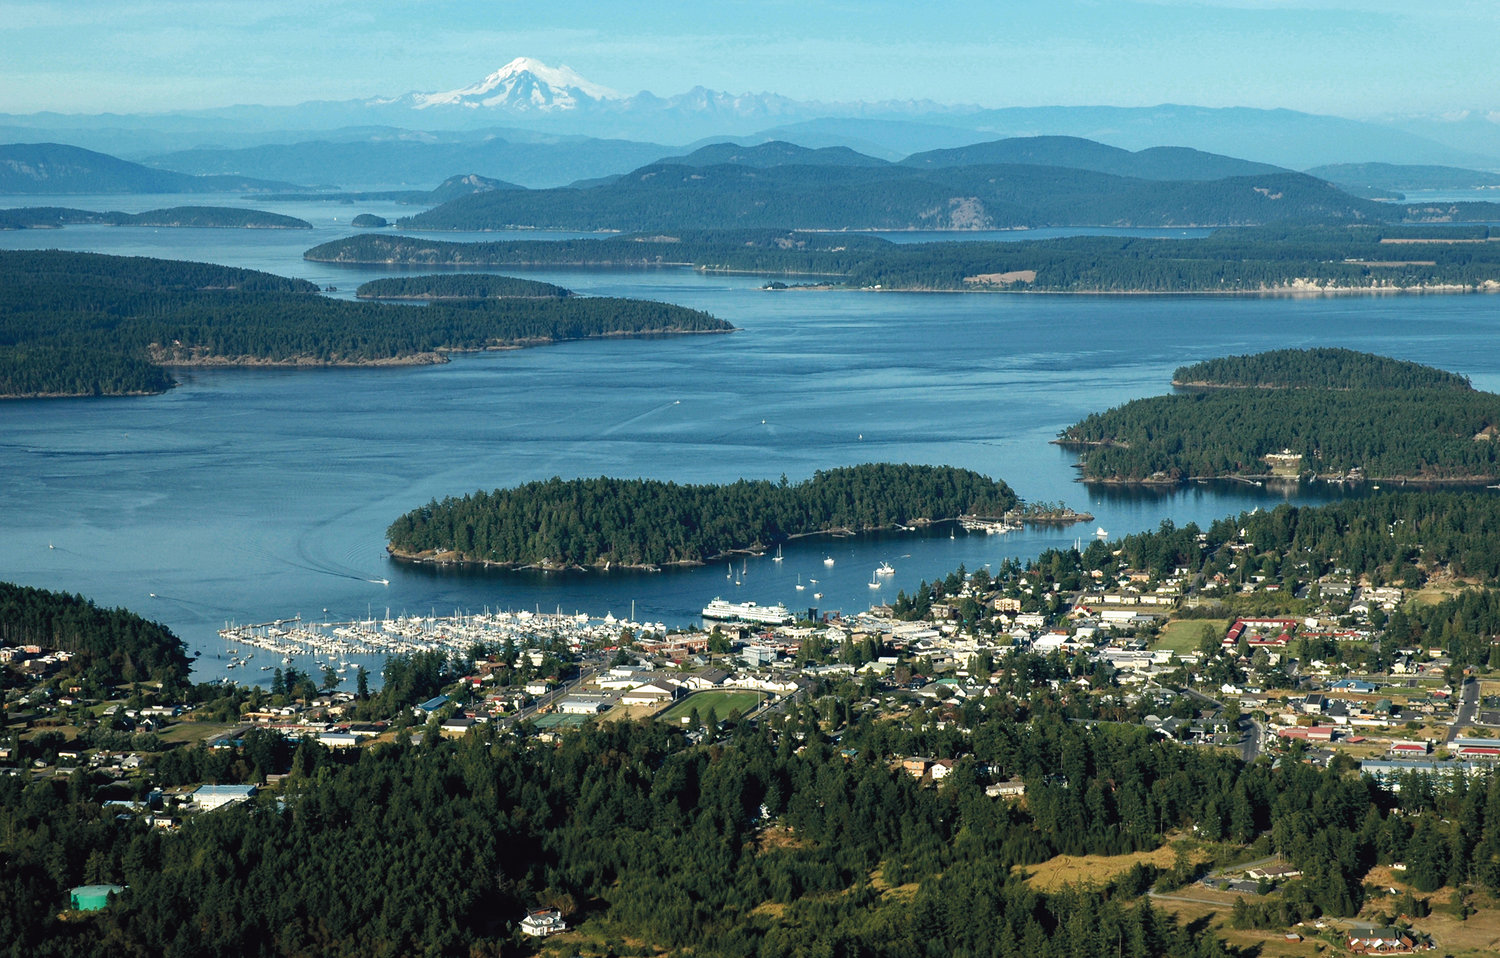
x=1389, y=177
x=387, y=159
x=541, y=125
x=53, y=168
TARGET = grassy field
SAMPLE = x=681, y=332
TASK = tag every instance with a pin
x=193, y=732
x=722, y=704
x=1184, y=635
x=1054, y=873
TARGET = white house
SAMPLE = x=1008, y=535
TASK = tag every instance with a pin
x=540, y=924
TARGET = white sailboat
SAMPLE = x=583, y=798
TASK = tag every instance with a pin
x=800, y=586
x=777, y=557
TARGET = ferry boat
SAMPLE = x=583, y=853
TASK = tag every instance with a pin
x=747, y=612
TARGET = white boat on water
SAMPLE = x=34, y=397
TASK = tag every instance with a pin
x=1099, y=533
x=885, y=568
x=874, y=581
x=817, y=595
x=747, y=612
x=828, y=560
x=777, y=557
x=800, y=586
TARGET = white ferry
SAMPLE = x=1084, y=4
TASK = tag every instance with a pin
x=747, y=612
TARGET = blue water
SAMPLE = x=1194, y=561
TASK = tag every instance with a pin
x=249, y=495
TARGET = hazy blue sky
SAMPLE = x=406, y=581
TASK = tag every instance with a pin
x=1349, y=57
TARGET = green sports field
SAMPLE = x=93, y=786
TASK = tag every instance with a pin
x=721, y=702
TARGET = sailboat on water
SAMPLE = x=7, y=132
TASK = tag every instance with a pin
x=800, y=586
x=777, y=557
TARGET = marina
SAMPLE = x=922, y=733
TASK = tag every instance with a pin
x=294, y=638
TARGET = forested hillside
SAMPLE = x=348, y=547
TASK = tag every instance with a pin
x=764, y=844
x=36, y=168
x=108, y=645
x=1228, y=261
x=81, y=324
x=643, y=522
x=1426, y=425
x=1157, y=163
x=886, y=197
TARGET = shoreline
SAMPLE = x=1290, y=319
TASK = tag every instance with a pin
x=1292, y=290
x=1262, y=479
x=453, y=558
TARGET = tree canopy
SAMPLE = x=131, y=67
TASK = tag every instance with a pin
x=638, y=522
x=1333, y=412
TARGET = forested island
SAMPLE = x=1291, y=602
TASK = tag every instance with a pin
x=635, y=522
x=1326, y=412
x=459, y=286
x=1309, y=259
x=83, y=324
x=219, y=217
x=986, y=186
x=453, y=187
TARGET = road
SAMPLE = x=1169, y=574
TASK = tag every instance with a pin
x=1254, y=742
x=1468, y=708
x=545, y=702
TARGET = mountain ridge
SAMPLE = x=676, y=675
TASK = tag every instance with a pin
x=558, y=101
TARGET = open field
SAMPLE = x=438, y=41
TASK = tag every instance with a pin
x=1054, y=873
x=192, y=732
x=1184, y=635
x=722, y=703
x=1271, y=943
x=1479, y=935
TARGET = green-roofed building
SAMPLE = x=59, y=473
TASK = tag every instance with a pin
x=92, y=897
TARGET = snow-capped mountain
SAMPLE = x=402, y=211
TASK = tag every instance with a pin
x=559, y=100
x=523, y=85
x=532, y=106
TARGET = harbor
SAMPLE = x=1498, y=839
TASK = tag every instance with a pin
x=292, y=640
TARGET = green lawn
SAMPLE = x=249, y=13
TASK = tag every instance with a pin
x=1184, y=635
x=721, y=702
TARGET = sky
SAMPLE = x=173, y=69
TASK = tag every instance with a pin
x=1356, y=58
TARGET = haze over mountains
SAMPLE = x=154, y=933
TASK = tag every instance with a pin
x=540, y=125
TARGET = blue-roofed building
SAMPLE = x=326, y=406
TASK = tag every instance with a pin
x=432, y=705
x=1354, y=685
